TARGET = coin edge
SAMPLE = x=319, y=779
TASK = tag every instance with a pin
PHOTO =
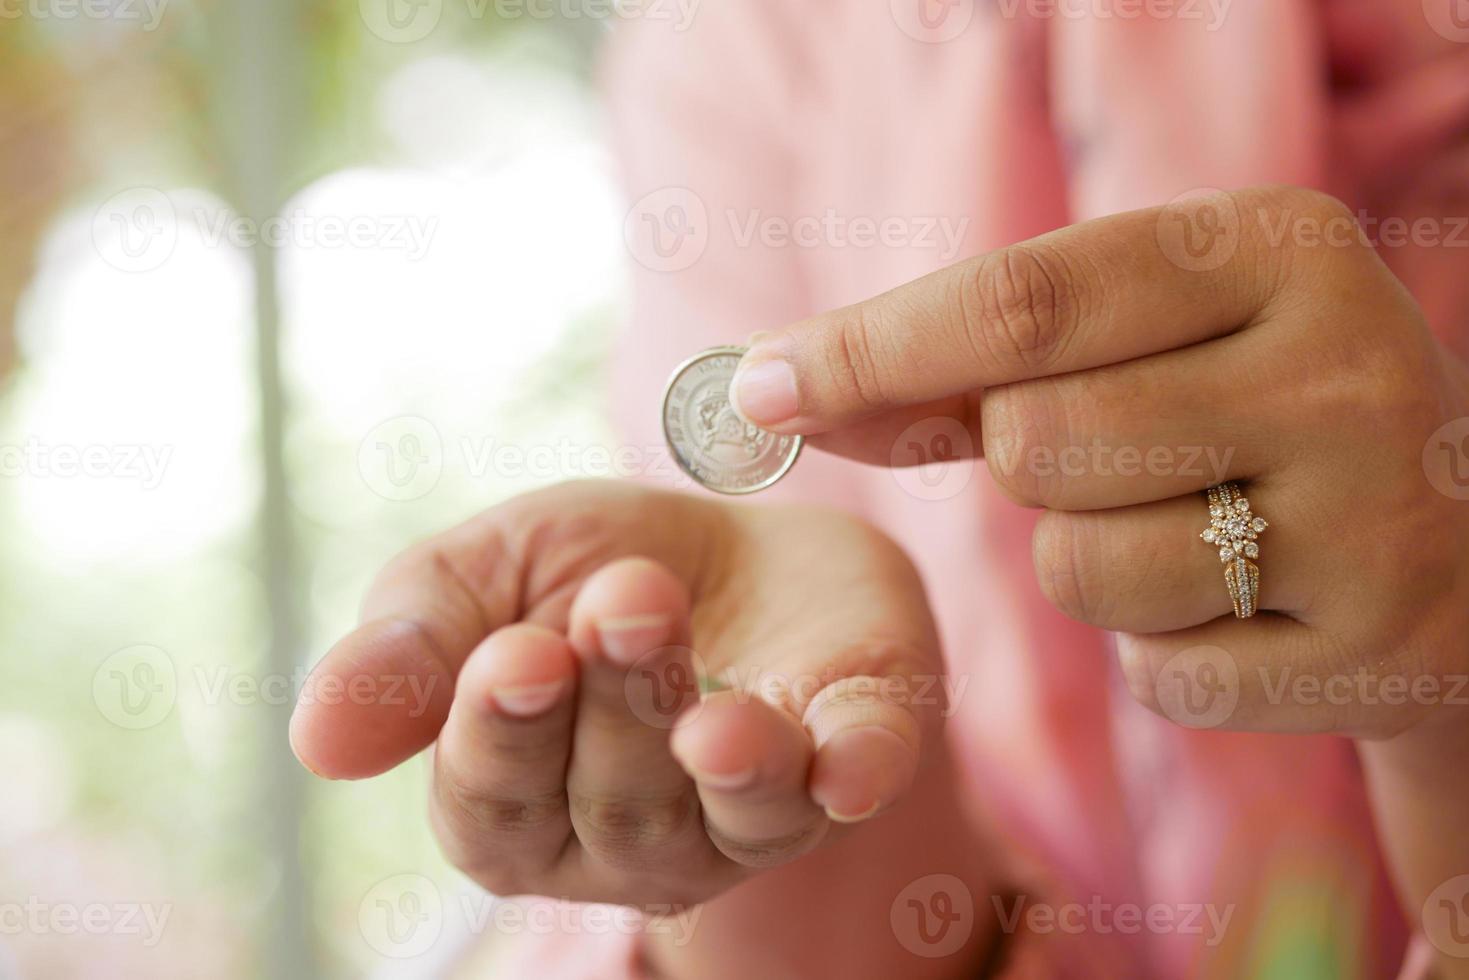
x=683, y=366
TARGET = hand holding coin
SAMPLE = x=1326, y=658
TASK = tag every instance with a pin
x=710, y=441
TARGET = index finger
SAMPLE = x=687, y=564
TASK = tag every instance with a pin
x=1092, y=294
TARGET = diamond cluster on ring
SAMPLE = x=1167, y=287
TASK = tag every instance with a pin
x=1232, y=527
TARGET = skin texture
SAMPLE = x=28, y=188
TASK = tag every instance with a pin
x=574, y=758
x=1301, y=360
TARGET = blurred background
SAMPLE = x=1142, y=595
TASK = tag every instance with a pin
x=279, y=281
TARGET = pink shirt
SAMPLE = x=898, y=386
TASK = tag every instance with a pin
x=833, y=112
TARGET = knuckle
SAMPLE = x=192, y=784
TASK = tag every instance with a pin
x=630, y=833
x=1380, y=381
x=770, y=853
x=472, y=828
x=1019, y=438
x=1066, y=554
x=1301, y=234
x=475, y=812
x=853, y=361
x=1024, y=297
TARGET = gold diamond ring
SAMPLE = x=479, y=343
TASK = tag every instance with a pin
x=1234, y=531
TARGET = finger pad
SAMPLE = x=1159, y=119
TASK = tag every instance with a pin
x=377, y=698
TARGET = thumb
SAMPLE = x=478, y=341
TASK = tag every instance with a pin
x=382, y=693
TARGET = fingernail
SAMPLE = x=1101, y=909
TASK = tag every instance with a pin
x=527, y=701
x=850, y=817
x=857, y=772
x=626, y=638
x=765, y=392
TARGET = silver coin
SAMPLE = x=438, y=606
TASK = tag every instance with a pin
x=709, y=440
